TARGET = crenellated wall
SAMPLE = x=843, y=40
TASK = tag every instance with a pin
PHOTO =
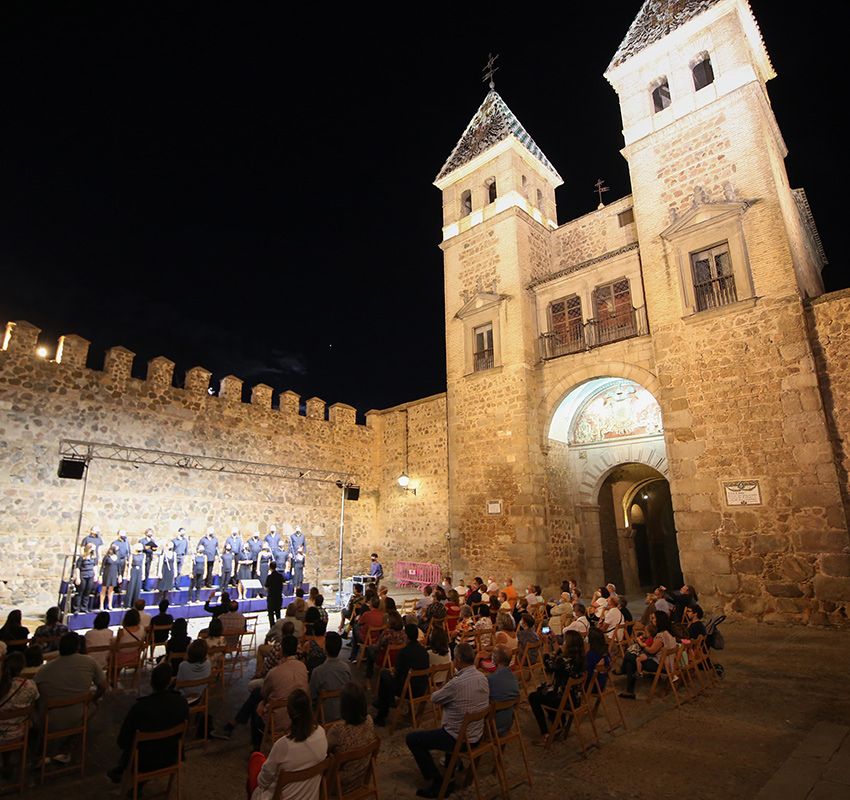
x=44, y=401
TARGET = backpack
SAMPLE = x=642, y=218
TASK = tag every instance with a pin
x=713, y=635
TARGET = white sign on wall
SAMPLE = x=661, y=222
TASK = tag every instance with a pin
x=742, y=493
x=494, y=506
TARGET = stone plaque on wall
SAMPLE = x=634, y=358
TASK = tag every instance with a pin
x=494, y=506
x=742, y=493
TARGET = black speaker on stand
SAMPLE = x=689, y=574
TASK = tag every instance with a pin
x=352, y=492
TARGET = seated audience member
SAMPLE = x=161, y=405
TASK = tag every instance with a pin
x=683, y=598
x=350, y=610
x=69, y=674
x=436, y=610
x=394, y=634
x=599, y=603
x=661, y=603
x=534, y=596
x=298, y=628
x=233, y=623
x=568, y=663
x=581, y=624
x=663, y=639
x=495, y=608
x=624, y=609
x=13, y=631
x=527, y=634
x=468, y=692
x=144, y=617
x=222, y=608
x=612, y=619
x=438, y=652
x=163, y=618
x=178, y=642
x=48, y=635
x=597, y=650
x=692, y=619
x=510, y=592
x=304, y=746
x=612, y=591
x=269, y=653
x=412, y=656
x=319, y=604
x=161, y=710
x=506, y=632
x=131, y=631
x=15, y=692
x=423, y=602
x=560, y=614
x=492, y=585
x=33, y=659
x=483, y=622
x=475, y=592
x=215, y=638
x=503, y=686
x=465, y=625
x=373, y=619
x=196, y=667
x=504, y=606
x=290, y=674
x=99, y=636
x=311, y=617
x=330, y=676
x=312, y=647
x=356, y=731
x=452, y=608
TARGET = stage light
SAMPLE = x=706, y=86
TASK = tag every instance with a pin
x=41, y=352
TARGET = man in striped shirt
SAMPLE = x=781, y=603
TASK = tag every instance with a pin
x=468, y=692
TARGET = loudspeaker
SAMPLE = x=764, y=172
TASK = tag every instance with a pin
x=352, y=492
x=71, y=468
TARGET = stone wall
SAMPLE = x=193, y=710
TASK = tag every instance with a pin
x=45, y=401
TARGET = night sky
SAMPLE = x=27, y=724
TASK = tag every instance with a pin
x=251, y=192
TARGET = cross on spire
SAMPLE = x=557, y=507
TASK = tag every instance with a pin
x=490, y=70
x=600, y=188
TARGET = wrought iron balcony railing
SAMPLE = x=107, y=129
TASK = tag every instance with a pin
x=594, y=333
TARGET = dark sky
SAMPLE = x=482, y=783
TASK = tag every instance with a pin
x=252, y=192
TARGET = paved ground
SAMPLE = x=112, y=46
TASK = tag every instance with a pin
x=782, y=685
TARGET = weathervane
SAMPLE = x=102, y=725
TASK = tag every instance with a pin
x=490, y=70
x=600, y=187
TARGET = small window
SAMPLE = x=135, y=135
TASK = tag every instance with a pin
x=703, y=73
x=566, y=325
x=615, y=315
x=525, y=185
x=626, y=217
x=540, y=199
x=714, y=282
x=482, y=351
x=661, y=96
x=466, y=203
x=491, y=189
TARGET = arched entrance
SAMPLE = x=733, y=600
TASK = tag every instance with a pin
x=607, y=435
x=638, y=535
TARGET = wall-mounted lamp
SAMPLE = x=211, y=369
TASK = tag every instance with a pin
x=404, y=483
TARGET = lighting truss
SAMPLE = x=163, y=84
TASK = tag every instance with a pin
x=89, y=451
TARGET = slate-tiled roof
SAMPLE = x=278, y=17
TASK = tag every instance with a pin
x=805, y=210
x=655, y=19
x=492, y=123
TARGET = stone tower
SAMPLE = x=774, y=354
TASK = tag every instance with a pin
x=498, y=207
x=729, y=255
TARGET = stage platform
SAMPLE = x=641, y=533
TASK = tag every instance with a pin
x=179, y=605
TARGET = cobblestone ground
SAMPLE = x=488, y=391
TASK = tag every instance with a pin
x=780, y=682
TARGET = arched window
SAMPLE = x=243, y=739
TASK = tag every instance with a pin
x=466, y=203
x=491, y=189
x=661, y=95
x=702, y=72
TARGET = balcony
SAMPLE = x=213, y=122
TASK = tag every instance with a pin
x=594, y=333
x=716, y=292
x=482, y=360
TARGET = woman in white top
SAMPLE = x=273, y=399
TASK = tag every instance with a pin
x=99, y=636
x=304, y=746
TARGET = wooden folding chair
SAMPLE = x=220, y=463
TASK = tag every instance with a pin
x=408, y=606
x=249, y=639
x=138, y=777
x=602, y=671
x=199, y=707
x=370, y=638
x=413, y=702
x=471, y=752
x=528, y=666
x=285, y=778
x=18, y=716
x=83, y=699
x=704, y=665
x=483, y=639
x=216, y=678
x=570, y=710
x=387, y=662
x=369, y=782
x=153, y=630
x=668, y=669
x=323, y=696
x=271, y=733
x=513, y=734
x=124, y=656
x=451, y=622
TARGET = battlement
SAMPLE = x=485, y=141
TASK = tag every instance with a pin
x=21, y=346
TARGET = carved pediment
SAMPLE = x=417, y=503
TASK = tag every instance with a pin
x=702, y=214
x=480, y=301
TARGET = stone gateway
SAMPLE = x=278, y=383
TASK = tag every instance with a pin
x=657, y=391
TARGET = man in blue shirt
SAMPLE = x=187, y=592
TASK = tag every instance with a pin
x=296, y=540
x=149, y=547
x=255, y=544
x=199, y=566
x=93, y=538
x=181, y=550
x=376, y=570
x=272, y=538
x=503, y=686
x=235, y=541
x=122, y=548
x=210, y=544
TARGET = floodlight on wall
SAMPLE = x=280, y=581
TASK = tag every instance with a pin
x=41, y=352
x=404, y=483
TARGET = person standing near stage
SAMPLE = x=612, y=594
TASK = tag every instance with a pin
x=210, y=544
x=298, y=567
x=181, y=550
x=109, y=577
x=376, y=569
x=246, y=564
x=274, y=593
x=93, y=538
x=168, y=570
x=228, y=564
x=122, y=548
x=199, y=567
x=255, y=546
x=264, y=558
x=134, y=583
x=84, y=571
x=149, y=547
x=272, y=538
